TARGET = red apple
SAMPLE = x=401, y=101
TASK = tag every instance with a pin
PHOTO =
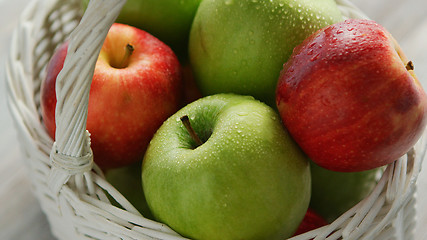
x=191, y=90
x=350, y=98
x=137, y=84
x=311, y=221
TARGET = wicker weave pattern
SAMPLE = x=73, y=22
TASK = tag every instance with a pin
x=73, y=191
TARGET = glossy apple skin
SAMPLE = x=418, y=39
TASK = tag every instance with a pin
x=168, y=20
x=126, y=105
x=248, y=180
x=312, y=220
x=348, y=100
x=240, y=46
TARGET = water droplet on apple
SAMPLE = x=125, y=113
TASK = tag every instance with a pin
x=325, y=101
x=334, y=39
x=228, y=2
x=315, y=57
x=311, y=45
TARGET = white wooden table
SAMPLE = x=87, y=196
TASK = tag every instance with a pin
x=20, y=214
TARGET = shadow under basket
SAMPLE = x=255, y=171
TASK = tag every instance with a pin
x=73, y=192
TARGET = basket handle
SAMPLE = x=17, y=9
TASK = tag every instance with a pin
x=71, y=153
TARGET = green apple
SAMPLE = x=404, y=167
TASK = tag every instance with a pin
x=333, y=193
x=241, y=46
x=127, y=180
x=231, y=171
x=168, y=20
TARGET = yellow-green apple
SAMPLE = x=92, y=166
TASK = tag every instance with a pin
x=168, y=20
x=223, y=167
x=137, y=84
x=333, y=193
x=240, y=46
x=349, y=97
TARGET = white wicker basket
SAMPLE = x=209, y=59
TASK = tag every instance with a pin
x=72, y=190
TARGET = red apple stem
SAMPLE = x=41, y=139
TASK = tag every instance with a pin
x=410, y=66
x=186, y=121
x=125, y=60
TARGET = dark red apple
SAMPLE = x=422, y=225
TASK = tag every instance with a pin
x=350, y=98
x=311, y=221
x=137, y=84
x=191, y=90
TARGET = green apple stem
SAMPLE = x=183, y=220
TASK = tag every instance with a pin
x=186, y=121
x=410, y=66
x=125, y=60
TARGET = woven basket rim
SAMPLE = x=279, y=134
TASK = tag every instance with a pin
x=395, y=190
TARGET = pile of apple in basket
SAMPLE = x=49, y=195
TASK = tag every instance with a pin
x=246, y=119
